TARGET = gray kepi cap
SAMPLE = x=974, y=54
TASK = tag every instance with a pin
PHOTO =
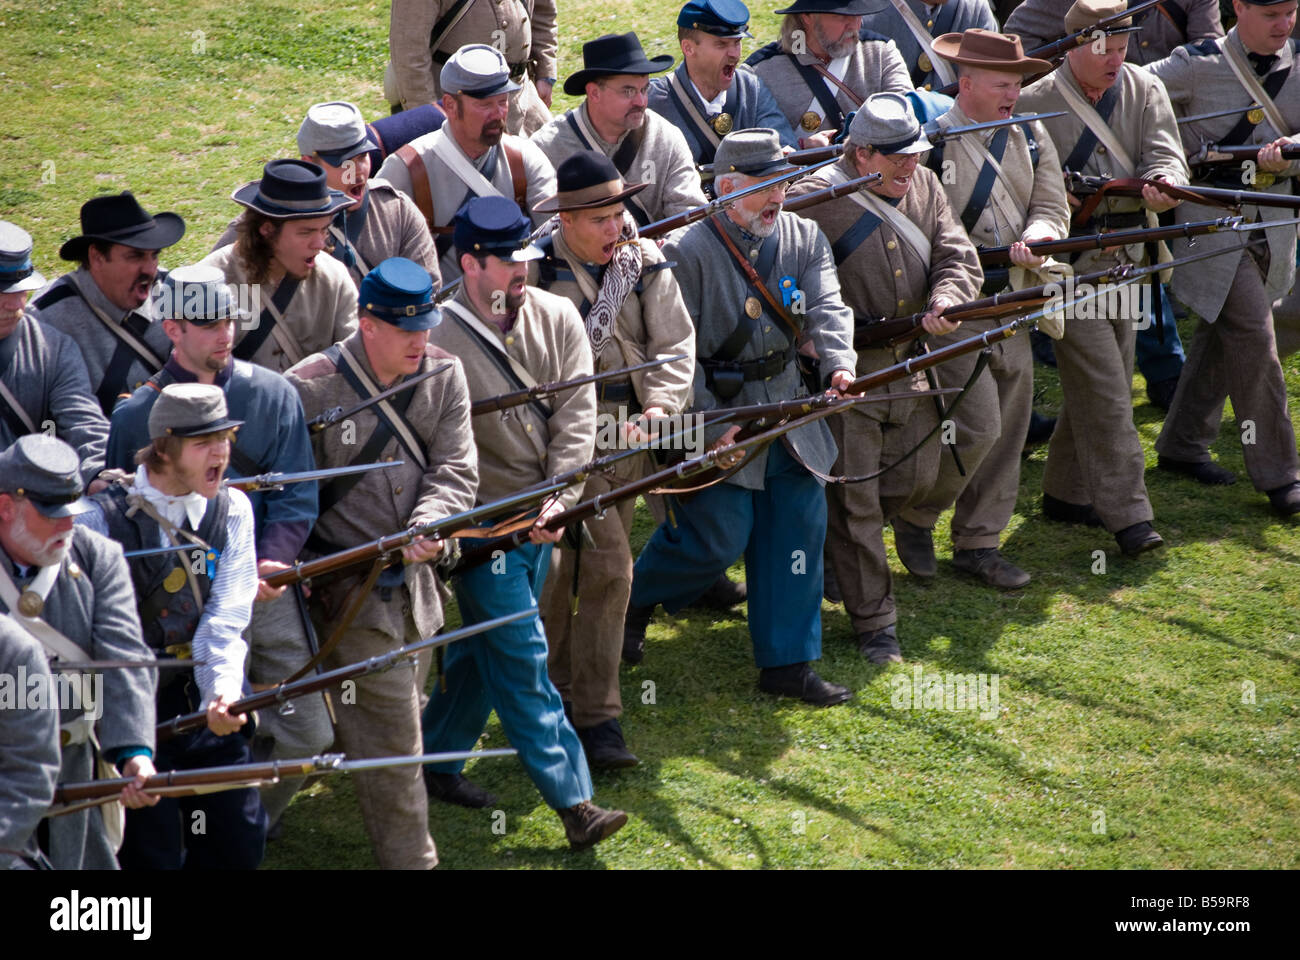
x=45, y=470
x=886, y=121
x=476, y=70
x=335, y=132
x=755, y=152
x=189, y=410
x=17, y=274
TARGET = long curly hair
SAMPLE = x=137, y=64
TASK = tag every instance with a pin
x=254, y=249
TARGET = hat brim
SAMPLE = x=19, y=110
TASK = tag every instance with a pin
x=33, y=281
x=854, y=8
x=948, y=47
x=774, y=169
x=247, y=196
x=166, y=229
x=575, y=85
x=336, y=158
x=58, y=510
x=505, y=86
x=553, y=204
x=412, y=324
x=203, y=429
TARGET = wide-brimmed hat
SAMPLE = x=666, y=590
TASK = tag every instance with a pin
x=886, y=121
x=120, y=219
x=1086, y=13
x=291, y=190
x=190, y=410
x=585, y=181
x=17, y=275
x=988, y=51
x=755, y=152
x=612, y=54
x=845, y=8
x=197, y=294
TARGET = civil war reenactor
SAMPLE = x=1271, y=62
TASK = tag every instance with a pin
x=1005, y=186
x=104, y=305
x=508, y=336
x=29, y=763
x=70, y=589
x=1235, y=351
x=1163, y=28
x=423, y=36
x=427, y=427
x=615, y=119
x=734, y=273
x=901, y=227
x=470, y=155
x=711, y=92
x=191, y=609
x=824, y=66
x=1118, y=123
x=380, y=221
x=199, y=315
x=43, y=378
x=308, y=301
x=627, y=296
x=913, y=26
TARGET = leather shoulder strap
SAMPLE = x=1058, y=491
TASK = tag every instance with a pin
x=420, y=191
x=515, y=160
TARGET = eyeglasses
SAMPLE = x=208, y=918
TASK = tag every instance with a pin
x=902, y=159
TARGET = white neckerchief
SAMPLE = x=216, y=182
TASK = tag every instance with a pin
x=176, y=509
x=716, y=104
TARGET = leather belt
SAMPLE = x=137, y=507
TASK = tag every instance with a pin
x=996, y=279
x=763, y=368
x=620, y=392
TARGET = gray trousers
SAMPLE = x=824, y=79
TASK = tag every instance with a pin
x=1237, y=357
x=1095, y=456
x=278, y=646
x=990, y=425
x=870, y=436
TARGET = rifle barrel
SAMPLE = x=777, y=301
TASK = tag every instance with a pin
x=519, y=397
x=1117, y=238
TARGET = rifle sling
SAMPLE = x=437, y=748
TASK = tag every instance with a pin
x=833, y=115
x=271, y=313
x=1087, y=142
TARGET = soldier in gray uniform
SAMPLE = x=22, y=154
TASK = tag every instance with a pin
x=615, y=119
x=824, y=66
x=470, y=155
x=711, y=93
x=747, y=338
x=381, y=221
x=1234, y=353
x=43, y=381
x=29, y=763
x=104, y=305
x=70, y=589
x=913, y=26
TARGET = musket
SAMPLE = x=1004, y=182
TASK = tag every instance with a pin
x=1107, y=25
x=899, y=330
x=1220, y=113
x=283, y=692
x=796, y=204
x=932, y=132
x=1116, y=238
x=277, y=481
x=718, y=204
x=704, y=465
x=388, y=548
x=181, y=783
x=1216, y=153
x=327, y=418
x=781, y=409
x=518, y=397
x=1091, y=187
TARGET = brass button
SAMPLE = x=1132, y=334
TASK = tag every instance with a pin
x=753, y=254
x=765, y=379
x=1145, y=43
x=397, y=489
x=388, y=459
x=1101, y=148
x=510, y=341
x=767, y=329
x=898, y=273
x=890, y=245
x=901, y=303
x=528, y=428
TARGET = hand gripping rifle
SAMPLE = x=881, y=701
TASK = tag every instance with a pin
x=71, y=797
x=283, y=692
x=1095, y=188
x=519, y=397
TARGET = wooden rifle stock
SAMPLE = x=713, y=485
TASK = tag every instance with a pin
x=1116, y=238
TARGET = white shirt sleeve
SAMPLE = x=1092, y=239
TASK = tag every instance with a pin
x=218, y=640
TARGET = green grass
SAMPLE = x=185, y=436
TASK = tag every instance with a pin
x=1121, y=692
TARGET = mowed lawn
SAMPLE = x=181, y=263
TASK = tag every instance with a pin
x=1146, y=710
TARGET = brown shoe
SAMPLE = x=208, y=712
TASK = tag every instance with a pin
x=989, y=565
x=587, y=824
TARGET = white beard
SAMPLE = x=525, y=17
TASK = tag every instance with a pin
x=42, y=552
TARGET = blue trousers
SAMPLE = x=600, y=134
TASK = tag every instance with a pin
x=505, y=670
x=1158, y=361
x=780, y=529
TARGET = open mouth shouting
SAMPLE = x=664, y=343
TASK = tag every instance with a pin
x=728, y=72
